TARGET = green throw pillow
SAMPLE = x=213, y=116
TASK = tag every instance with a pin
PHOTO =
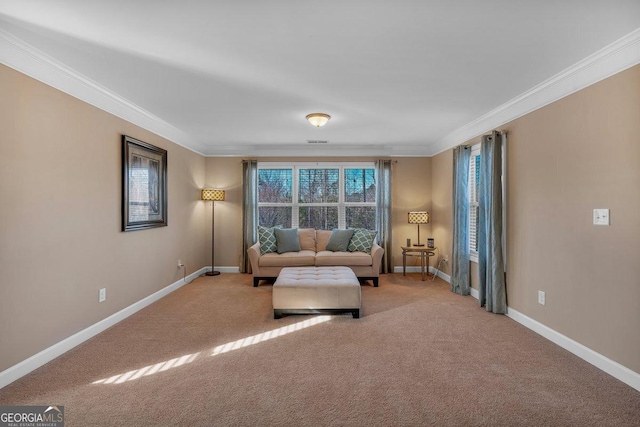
x=287, y=240
x=362, y=240
x=339, y=240
x=267, y=239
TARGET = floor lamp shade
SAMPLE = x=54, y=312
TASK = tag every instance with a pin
x=212, y=196
x=418, y=217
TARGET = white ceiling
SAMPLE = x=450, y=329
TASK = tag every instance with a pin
x=238, y=77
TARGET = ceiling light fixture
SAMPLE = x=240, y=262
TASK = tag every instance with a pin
x=318, y=119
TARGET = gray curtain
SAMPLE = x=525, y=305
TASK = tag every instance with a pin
x=492, y=287
x=383, y=212
x=249, y=210
x=460, y=250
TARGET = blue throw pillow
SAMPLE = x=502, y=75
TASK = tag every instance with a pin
x=287, y=240
x=339, y=240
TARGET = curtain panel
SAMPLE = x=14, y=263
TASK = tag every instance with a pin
x=249, y=210
x=383, y=212
x=460, y=250
x=492, y=288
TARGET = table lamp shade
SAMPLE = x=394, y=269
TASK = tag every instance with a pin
x=213, y=195
x=419, y=217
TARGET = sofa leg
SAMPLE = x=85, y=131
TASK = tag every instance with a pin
x=256, y=280
x=375, y=282
x=356, y=314
x=277, y=314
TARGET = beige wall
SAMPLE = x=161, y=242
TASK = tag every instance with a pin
x=411, y=181
x=411, y=191
x=442, y=189
x=225, y=173
x=60, y=238
x=564, y=160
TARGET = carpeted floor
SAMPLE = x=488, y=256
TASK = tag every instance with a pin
x=211, y=354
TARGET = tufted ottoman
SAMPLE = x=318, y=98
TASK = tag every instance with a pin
x=305, y=290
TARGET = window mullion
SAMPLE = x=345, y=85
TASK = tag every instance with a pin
x=342, y=221
x=295, y=206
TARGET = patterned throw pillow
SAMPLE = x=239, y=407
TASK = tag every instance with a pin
x=267, y=238
x=362, y=240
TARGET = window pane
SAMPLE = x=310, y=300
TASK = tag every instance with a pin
x=274, y=185
x=269, y=216
x=318, y=185
x=359, y=185
x=318, y=217
x=361, y=217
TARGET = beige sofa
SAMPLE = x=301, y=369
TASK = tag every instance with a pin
x=313, y=245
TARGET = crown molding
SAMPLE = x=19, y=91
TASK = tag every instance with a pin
x=315, y=150
x=614, y=58
x=618, y=56
x=23, y=57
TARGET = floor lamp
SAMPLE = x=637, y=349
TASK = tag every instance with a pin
x=419, y=218
x=213, y=196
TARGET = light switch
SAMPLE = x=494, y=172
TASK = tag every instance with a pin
x=601, y=217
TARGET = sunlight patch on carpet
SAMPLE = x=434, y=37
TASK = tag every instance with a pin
x=221, y=349
x=265, y=336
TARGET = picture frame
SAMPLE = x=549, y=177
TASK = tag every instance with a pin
x=144, y=185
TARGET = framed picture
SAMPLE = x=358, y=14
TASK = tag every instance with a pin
x=144, y=189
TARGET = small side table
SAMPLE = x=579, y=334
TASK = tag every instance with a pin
x=423, y=252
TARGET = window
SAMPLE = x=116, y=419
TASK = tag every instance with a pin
x=474, y=210
x=317, y=195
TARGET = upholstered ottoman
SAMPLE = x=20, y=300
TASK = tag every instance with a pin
x=310, y=290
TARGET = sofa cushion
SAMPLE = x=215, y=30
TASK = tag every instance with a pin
x=328, y=258
x=322, y=238
x=287, y=240
x=307, y=238
x=288, y=259
x=267, y=239
x=362, y=240
x=339, y=240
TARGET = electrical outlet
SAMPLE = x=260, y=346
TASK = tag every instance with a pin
x=601, y=217
x=542, y=298
x=102, y=295
x=180, y=263
x=445, y=258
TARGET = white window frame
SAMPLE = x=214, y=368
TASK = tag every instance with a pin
x=473, y=203
x=295, y=204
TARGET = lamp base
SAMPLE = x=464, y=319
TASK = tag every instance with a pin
x=212, y=273
x=418, y=244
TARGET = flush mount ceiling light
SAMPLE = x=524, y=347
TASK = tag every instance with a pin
x=318, y=119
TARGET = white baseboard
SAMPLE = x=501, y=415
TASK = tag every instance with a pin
x=440, y=274
x=410, y=269
x=416, y=269
x=474, y=293
x=225, y=269
x=601, y=362
x=34, y=362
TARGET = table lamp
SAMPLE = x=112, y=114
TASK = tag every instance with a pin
x=420, y=217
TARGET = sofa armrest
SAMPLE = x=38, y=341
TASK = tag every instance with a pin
x=376, y=257
x=254, y=256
